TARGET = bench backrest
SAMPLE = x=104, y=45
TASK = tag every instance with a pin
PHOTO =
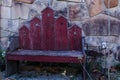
x=49, y=33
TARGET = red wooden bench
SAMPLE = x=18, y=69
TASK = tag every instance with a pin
x=46, y=39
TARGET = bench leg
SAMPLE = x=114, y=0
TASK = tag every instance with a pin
x=84, y=72
x=11, y=67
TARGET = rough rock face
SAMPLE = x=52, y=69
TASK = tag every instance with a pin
x=91, y=15
x=113, y=3
x=95, y=6
x=60, y=8
x=97, y=40
x=98, y=26
x=77, y=13
x=114, y=12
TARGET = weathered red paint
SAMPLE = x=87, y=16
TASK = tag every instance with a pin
x=35, y=34
x=49, y=34
x=61, y=37
x=45, y=58
x=48, y=29
x=24, y=37
x=75, y=38
x=44, y=41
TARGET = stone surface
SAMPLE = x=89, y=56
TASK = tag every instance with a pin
x=39, y=5
x=98, y=25
x=5, y=12
x=5, y=27
x=11, y=25
x=33, y=75
x=77, y=13
x=91, y=16
x=60, y=8
x=4, y=43
x=114, y=12
x=111, y=3
x=14, y=25
x=6, y=3
x=15, y=11
x=24, y=10
x=97, y=40
x=95, y=6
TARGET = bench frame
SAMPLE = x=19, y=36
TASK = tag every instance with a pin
x=67, y=40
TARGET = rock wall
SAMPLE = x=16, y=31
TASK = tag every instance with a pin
x=99, y=23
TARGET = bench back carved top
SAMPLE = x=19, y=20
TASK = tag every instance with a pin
x=50, y=33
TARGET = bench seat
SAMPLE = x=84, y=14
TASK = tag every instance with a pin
x=46, y=56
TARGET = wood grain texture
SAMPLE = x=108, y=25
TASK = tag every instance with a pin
x=35, y=33
x=61, y=36
x=57, y=59
x=49, y=33
x=24, y=37
x=75, y=38
x=48, y=29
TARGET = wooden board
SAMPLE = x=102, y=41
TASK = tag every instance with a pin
x=24, y=37
x=75, y=38
x=46, y=56
x=47, y=53
x=35, y=33
x=48, y=29
x=61, y=38
x=59, y=59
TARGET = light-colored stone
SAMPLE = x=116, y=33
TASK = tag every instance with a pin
x=5, y=33
x=9, y=26
x=4, y=23
x=39, y=5
x=60, y=8
x=4, y=43
x=7, y=2
x=14, y=25
x=32, y=13
x=5, y=12
x=112, y=3
x=20, y=10
x=112, y=41
x=24, y=10
x=114, y=12
x=95, y=6
x=98, y=25
x=21, y=21
x=119, y=40
x=15, y=11
x=78, y=13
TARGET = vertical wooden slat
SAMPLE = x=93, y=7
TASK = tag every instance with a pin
x=75, y=38
x=24, y=37
x=35, y=33
x=61, y=38
x=48, y=29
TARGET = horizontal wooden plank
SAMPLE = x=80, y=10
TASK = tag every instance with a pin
x=47, y=53
x=45, y=58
